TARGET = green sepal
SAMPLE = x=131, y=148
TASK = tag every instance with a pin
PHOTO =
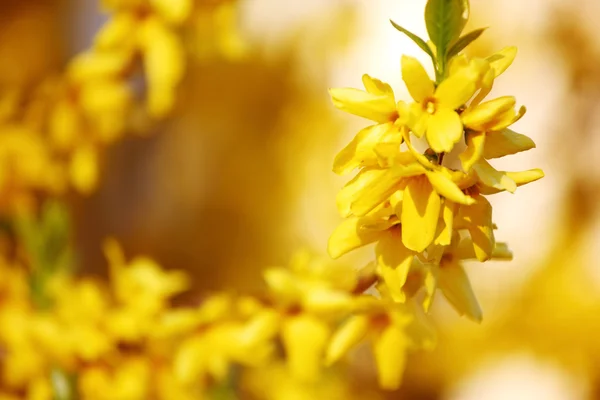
x=420, y=42
x=464, y=41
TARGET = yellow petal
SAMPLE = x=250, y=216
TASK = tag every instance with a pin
x=99, y=65
x=455, y=285
x=380, y=189
x=417, y=119
x=394, y=261
x=481, y=117
x=420, y=212
x=352, y=190
x=478, y=218
x=506, y=142
x=416, y=79
x=507, y=119
x=390, y=355
x=457, y=89
x=118, y=32
x=474, y=151
x=444, y=186
x=164, y=62
x=64, y=125
x=502, y=60
x=375, y=86
x=346, y=337
x=446, y=224
x=360, y=152
x=376, y=107
x=84, y=169
x=486, y=84
x=520, y=178
x=304, y=339
x=491, y=177
x=444, y=130
x=465, y=251
x=349, y=236
x=175, y=11
x=325, y=301
x=282, y=283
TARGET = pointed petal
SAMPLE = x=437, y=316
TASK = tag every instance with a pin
x=506, y=142
x=478, y=218
x=455, y=285
x=430, y=284
x=380, y=189
x=446, y=224
x=394, y=261
x=417, y=120
x=378, y=108
x=502, y=60
x=485, y=115
x=444, y=186
x=420, y=213
x=457, y=89
x=349, y=236
x=520, y=178
x=164, y=60
x=486, y=84
x=360, y=151
x=416, y=79
x=375, y=86
x=346, y=337
x=390, y=355
x=474, y=151
x=444, y=130
x=491, y=177
x=175, y=11
x=507, y=119
x=351, y=191
x=304, y=339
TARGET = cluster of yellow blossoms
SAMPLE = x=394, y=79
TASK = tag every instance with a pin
x=125, y=340
x=426, y=212
x=51, y=137
x=62, y=337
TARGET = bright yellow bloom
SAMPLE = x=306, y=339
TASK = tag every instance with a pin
x=378, y=104
x=309, y=296
x=419, y=185
x=393, y=330
x=448, y=275
x=434, y=113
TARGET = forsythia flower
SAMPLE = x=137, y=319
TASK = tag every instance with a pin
x=425, y=217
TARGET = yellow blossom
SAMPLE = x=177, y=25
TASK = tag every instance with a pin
x=434, y=113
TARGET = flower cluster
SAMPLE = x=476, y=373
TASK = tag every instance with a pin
x=424, y=215
x=119, y=346
x=52, y=137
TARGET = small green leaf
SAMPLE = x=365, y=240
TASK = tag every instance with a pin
x=445, y=20
x=420, y=42
x=464, y=41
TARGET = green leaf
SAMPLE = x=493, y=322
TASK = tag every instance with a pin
x=464, y=41
x=420, y=42
x=445, y=20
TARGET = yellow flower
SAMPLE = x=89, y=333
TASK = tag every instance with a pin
x=393, y=329
x=393, y=258
x=434, y=113
x=309, y=296
x=449, y=276
x=378, y=104
x=419, y=185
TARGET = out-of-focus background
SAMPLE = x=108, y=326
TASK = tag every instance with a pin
x=240, y=177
